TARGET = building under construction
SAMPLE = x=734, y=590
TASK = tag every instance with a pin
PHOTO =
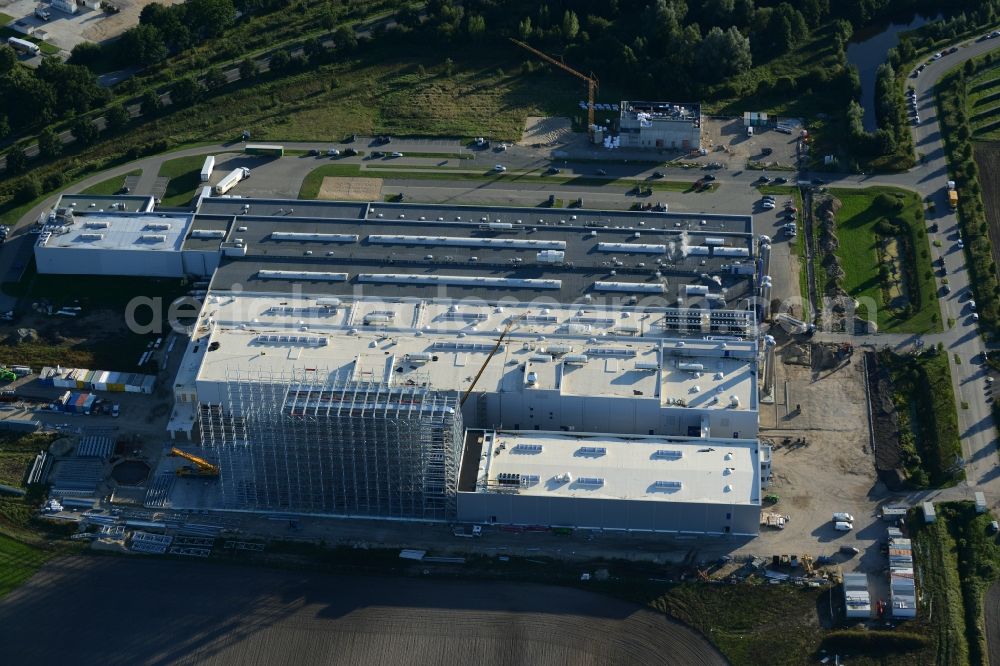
x=321, y=443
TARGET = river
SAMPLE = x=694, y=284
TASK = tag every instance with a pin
x=868, y=49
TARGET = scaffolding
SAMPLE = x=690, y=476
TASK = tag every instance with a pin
x=310, y=441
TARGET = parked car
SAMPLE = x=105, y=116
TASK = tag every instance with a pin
x=115, y=410
x=843, y=517
x=657, y=174
x=333, y=152
x=768, y=205
x=850, y=551
x=780, y=181
x=377, y=154
x=709, y=178
x=106, y=408
x=552, y=170
x=313, y=152
x=841, y=526
x=396, y=153
x=936, y=56
x=499, y=168
x=602, y=172
x=350, y=152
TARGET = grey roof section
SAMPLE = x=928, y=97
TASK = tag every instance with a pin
x=283, y=207
x=81, y=203
x=470, y=248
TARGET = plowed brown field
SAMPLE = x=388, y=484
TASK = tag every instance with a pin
x=129, y=611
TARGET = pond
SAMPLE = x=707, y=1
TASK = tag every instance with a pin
x=868, y=49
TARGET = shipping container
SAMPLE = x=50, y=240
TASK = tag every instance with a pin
x=207, y=168
x=264, y=149
x=23, y=46
x=231, y=179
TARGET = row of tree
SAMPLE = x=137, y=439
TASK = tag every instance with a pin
x=54, y=91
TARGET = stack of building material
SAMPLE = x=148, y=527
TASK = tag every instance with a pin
x=97, y=380
x=94, y=447
x=857, y=601
x=76, y=477
x=902, y=589
x=146, y=542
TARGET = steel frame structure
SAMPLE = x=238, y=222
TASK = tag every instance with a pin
x=311, y=441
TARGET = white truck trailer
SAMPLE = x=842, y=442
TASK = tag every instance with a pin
x=231, y=179
x=207, y=168
x=23, y=46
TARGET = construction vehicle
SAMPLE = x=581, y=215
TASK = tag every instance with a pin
x=591, y=80
x=489, y=358
x=201, y=468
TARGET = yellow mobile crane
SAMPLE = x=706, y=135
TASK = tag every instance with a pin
x=201, y=468
x=489, y=358
x=591, y=80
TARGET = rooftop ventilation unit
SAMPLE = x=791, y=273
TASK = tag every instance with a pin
x=292, y=340
x=90, y=237
x=459, y=280
x=96, y=225
x=575, y=359
x=592, y=451
x=668, y=485
x=319, y=276
x=632, y=248
x=153, y=238
x=595, y=481
x=497, y=243
x=317, y=238
x=640, y=287
x=208, y=233
x=527, y=448
x=668, y=454
x=157, y=226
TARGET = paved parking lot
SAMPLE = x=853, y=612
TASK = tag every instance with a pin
x=88, y=25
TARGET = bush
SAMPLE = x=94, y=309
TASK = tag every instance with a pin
x=27, y=190
x=856, y=641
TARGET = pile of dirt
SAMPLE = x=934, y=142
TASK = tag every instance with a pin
x=828, y=244
x=797, y=354
x=885, y=424
x=827, y=356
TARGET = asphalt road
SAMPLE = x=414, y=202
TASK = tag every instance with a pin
x=136, y=611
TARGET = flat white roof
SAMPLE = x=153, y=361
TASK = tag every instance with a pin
x=665, y=469
x=148, y=232
x=564, y=348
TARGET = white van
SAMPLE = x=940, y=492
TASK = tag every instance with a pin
x=843, y=517
x=750, y=131
x=842, y=526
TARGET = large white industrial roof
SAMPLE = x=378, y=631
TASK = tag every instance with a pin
x=667, y=469
x=564, y=348
x=119, y=231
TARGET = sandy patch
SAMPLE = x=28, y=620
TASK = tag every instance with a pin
x=545, y=130
x=351, y=189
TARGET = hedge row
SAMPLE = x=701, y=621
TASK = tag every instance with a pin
x=954, y=119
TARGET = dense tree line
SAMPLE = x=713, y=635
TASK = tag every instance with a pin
x=35, y=97
x=163, y=30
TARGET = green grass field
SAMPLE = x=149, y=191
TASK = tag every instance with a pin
x=111, y=185
x=185, y=177
x=928, y=422
x=861, y=211
x=314, y=180
x=983, y=104
x=18, y=563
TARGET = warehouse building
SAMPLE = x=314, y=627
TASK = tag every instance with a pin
x=664, y=125
x=599, y=481
x=125, y=238
x=345, y=352
x=360, y=406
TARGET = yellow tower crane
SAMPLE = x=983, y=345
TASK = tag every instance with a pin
x=591, y=80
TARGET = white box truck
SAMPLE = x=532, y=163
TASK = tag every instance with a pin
x=980, y=499
x=233, y=177
x=23, y=46
x=207, y=168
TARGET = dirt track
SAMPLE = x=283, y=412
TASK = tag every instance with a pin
x=991, y=614
x=129, y=611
